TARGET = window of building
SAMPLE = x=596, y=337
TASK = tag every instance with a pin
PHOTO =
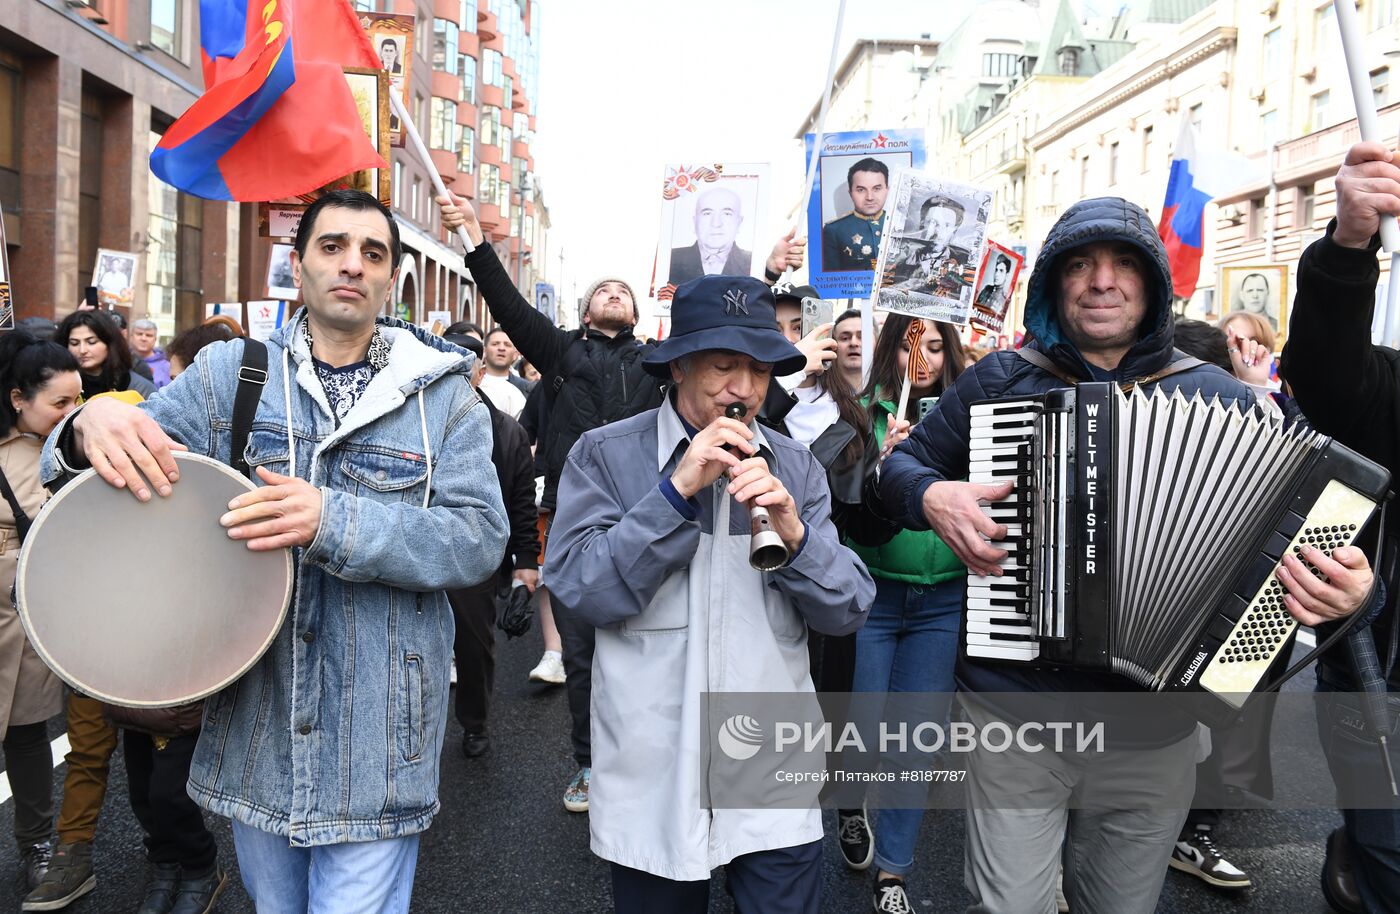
x=174, y=254
x=365, y=6
x=491, y=63
x=442, y=130
x=519, y=169
x=504, y=143
x=469, y=15
x=1069, y=61
x=503, y=200
x=395, y=196
x=1054, y=187
x=10, y=140
x=1379, y=14
x=1196, y=115
x=1317, y=110
x=490, y=125
x=467, y=67
x=1255, y=227
x=1324, y=24
x=1305, y=206
x=999, y=65
x=1084, y=176
x=445, y=45
x=1273, y=54
x=520, y=121
x=1268, y=128
x=417, y=196
x=1112, y=164
x=488, y=181
x=1380, y=86
x=466, y=150
x=1149, y=150
x=165, y=26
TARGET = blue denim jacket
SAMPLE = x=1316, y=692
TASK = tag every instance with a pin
x=334, y=736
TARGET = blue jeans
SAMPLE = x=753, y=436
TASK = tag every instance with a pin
x=368, y=877
x=1354, y=758
x=909, y=644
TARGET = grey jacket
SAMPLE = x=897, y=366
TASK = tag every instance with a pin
x=680, y=613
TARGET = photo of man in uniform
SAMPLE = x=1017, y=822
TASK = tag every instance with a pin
x=990, y=302
x=718, y=214
x=852, y=242
x=932, y=264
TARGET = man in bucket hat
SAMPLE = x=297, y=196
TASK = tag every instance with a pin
x=659, y=562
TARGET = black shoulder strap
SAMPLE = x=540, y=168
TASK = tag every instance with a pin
x=1043, y=362
x=22, y=521
x=567, y=363
x=252, y=375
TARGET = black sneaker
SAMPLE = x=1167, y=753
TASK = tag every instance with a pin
x=475, y=745
x=890, y=897
x=69, y=878
x=855, y=838
x=198, y=891
x=160, y=889
x=34, y=860
x=1196, y=853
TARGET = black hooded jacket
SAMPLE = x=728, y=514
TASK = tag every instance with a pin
x=589, y=378
x=937, y=449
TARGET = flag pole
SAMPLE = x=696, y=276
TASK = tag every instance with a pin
x=412, y=130
x=1353, y=49
x=821, y=123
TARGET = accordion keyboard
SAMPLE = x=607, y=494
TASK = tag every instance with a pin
x=999, y=620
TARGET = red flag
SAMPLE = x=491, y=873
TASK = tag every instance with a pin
x=271, y=125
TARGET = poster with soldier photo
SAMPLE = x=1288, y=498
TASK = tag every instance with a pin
x=996, y=283
x=846, y=212
x=931, y=252
x=712, y=216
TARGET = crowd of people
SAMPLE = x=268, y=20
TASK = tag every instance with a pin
x=608, y=481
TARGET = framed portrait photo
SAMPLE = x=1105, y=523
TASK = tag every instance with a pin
x=391, y=34
x=370, y=89
x=996, y=283
x=712, y=216
x=280, y=285
x=1260, y=289
x=114, y=275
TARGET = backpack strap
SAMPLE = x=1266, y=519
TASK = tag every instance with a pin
x=22, y=520
x=1043, y=362
x=252, y=376
x=1177, y=367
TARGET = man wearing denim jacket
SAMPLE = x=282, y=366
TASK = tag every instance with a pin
x=651, y=545
x=374, y=455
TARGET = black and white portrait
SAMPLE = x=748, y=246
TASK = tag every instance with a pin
x=710, y=220
x=280, y=284
x=930, y=256
x=1259, y=289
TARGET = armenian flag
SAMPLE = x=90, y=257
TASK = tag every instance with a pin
x=277, y=118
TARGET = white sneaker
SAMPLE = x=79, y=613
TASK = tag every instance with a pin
x=550, y=669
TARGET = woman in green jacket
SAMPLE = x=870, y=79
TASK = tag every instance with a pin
x=910, y=640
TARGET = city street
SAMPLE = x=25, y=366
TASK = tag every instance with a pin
x=504, y=842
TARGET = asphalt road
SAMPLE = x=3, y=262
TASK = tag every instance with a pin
x=504, y=842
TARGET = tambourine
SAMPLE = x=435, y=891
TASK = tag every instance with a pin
x=149, y=604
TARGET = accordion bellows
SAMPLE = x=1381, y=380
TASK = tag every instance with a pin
x=1144, y=531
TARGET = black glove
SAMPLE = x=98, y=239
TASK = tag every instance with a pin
x=513, y=611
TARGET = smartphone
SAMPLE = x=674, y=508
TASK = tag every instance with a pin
x=815, y=312
x=925, y=405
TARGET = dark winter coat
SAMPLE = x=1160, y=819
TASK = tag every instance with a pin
x=515, y=468
x=1347, y=387
x=590, y=379
x=938, y=446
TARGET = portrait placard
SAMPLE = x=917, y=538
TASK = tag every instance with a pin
x=279, y=220
x=392, y=37
x=233, y=309
x=279, y=273
x=264, y=317
x=544, y=299
x=846, y=212
x=996, y=283
x=711, y=217
x=114, y=274
x=932, y=249
x=1260, y=289
x=370, y=89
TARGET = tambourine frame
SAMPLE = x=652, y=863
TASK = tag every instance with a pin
x=90, y=683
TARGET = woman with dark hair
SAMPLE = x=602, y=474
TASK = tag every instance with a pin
x=910, y=640
x=103, y=356
x=39, y=385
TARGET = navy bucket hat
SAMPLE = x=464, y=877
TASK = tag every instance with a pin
x=734, y=313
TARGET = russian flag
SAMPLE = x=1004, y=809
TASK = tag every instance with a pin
x=1196, y=178
x=277, y=118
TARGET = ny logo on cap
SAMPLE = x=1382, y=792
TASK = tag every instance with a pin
x=736, y=302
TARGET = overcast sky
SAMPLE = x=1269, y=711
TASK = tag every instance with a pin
x=628, y=86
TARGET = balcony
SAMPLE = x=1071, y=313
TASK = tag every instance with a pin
x=468, y=43
x=445, y=85
x=522, y=150
x=1011, y=161
x=464, y=185
x=447, y=9
x=489, y=215
x=445, y=162
x=488, y=153
x=467, y=114
x=491, y=95
x=486, y=25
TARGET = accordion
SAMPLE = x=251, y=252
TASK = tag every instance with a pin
x=1144, y=530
